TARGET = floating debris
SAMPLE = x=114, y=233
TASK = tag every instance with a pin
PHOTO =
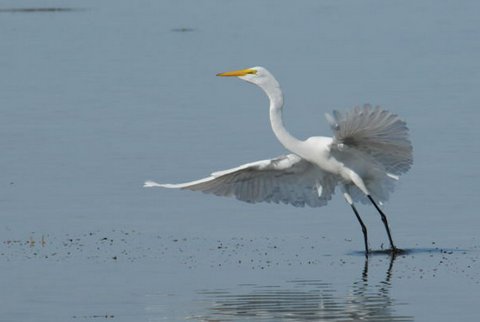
x=95, y=316
x=182, y=29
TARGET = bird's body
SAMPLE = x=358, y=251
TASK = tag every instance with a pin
x=369, y=150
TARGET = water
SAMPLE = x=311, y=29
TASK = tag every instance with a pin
x=99, y=96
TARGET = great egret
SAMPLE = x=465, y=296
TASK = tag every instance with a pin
x=369, y=150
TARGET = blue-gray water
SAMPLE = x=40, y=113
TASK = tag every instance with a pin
x=97, y=96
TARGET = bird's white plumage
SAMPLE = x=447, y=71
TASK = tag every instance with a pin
x=287, y=179
x=374, y=143
x=368, y=152
x=377, y=133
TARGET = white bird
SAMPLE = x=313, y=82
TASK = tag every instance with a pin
x=369, y=150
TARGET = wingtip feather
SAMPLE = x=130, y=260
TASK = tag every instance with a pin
x=151, y=184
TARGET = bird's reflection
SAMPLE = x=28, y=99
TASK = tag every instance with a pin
x=306, y=300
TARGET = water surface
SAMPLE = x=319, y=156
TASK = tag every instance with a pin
x=99, y=96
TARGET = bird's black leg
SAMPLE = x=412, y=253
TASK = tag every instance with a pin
x=364, y=228
x=385, y=222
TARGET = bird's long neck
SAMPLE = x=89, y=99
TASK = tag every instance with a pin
x=275, y=96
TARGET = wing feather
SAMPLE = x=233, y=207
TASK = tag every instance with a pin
x=374, y=143
x=287, y=179
x=376, y=132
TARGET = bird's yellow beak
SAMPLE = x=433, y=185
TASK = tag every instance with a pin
x=241, y=72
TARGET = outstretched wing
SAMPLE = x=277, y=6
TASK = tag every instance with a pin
x=287, y=179
x=380, y=134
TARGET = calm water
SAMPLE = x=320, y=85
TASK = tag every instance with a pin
x=99, y=96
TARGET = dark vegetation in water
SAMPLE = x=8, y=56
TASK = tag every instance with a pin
x=38, y=10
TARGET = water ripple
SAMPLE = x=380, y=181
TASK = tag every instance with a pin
x=304, y=300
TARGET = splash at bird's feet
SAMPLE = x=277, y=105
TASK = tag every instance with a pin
x=396, y=251
x=390, y=251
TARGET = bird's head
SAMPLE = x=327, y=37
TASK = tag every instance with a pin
x=256, y=75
